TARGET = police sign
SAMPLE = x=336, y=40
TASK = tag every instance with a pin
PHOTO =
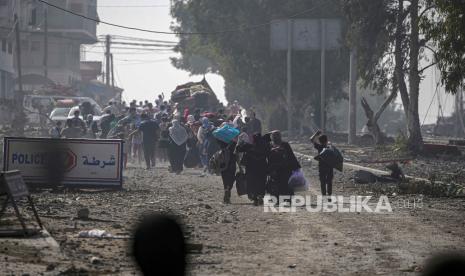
x=68, y=162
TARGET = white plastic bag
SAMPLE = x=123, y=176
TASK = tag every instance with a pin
x=297, y=181
x=94, y=233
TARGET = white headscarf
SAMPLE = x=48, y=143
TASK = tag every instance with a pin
x=178, y=133
x=190, y=119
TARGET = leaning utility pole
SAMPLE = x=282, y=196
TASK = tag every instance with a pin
x=107, y=60
x=45, y=62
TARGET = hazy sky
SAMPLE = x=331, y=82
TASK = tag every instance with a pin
x=143, y=76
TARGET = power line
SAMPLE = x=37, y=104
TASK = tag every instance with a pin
x=142, y=49
x=131, y=38
x=138, y=60
x=145, y=6
x=177, y=33
x=142, y=63
x=135, y=53
x=141, y=44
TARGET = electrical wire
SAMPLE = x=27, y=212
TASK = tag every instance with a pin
x=138, y=60
x=133, y=53
x=142, y=63
x=142, y=49
x=141, y=44
x=250, y=27
x=147, y=6
x=131, y=38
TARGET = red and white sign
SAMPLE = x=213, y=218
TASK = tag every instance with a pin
x=78, y=162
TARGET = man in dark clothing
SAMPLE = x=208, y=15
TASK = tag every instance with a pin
x=254, y=125
x=105, y=123
x=325, y=171
x=77, y=122
x=197, y=115
x=150, y=130
x=71, y=132
x=92, y=126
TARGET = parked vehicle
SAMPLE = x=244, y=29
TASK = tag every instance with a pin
x=41, y=104
x=60, y=114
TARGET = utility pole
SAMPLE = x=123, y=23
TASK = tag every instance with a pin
x=19, y=120
x=107, y=60
x=112, y=72
x=323, y=76
x=18, y=55
x=353, y=97
x=45, y=63
x=289, y=77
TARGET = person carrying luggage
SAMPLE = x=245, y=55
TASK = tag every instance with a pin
x=326, y=173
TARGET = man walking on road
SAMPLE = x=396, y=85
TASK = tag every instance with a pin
x=150, y=131
x=254, y=125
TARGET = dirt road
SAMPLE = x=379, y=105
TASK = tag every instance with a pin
x=240, y=239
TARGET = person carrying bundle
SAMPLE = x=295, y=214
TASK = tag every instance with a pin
x=325, y=170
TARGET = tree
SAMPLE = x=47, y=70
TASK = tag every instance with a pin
x=445, y=28
x=387, y=34
x=253, y=72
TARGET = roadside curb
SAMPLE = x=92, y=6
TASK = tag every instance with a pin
x=355, y=167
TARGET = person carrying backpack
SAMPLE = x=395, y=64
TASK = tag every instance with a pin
x=320, y=142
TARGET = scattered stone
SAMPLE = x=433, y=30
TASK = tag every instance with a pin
x=83, y=213
x=117, y=226
x=377, y=249
x=413, y=268
x=50, y=267
x=336, y=244
x=207, y=206
x=292, y=266
x=95, y=260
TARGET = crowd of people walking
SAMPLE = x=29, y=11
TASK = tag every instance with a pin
x=186, y=139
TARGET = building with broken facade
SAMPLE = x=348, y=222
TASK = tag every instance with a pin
x=51, y=39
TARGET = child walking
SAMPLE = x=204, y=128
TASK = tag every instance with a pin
x=320, y=142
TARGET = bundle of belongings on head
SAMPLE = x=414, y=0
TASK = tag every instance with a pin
x=180, y=95
x=226, y=133
x=220, y=160
x=195, y=94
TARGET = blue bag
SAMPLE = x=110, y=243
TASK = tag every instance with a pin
x=226, y=133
